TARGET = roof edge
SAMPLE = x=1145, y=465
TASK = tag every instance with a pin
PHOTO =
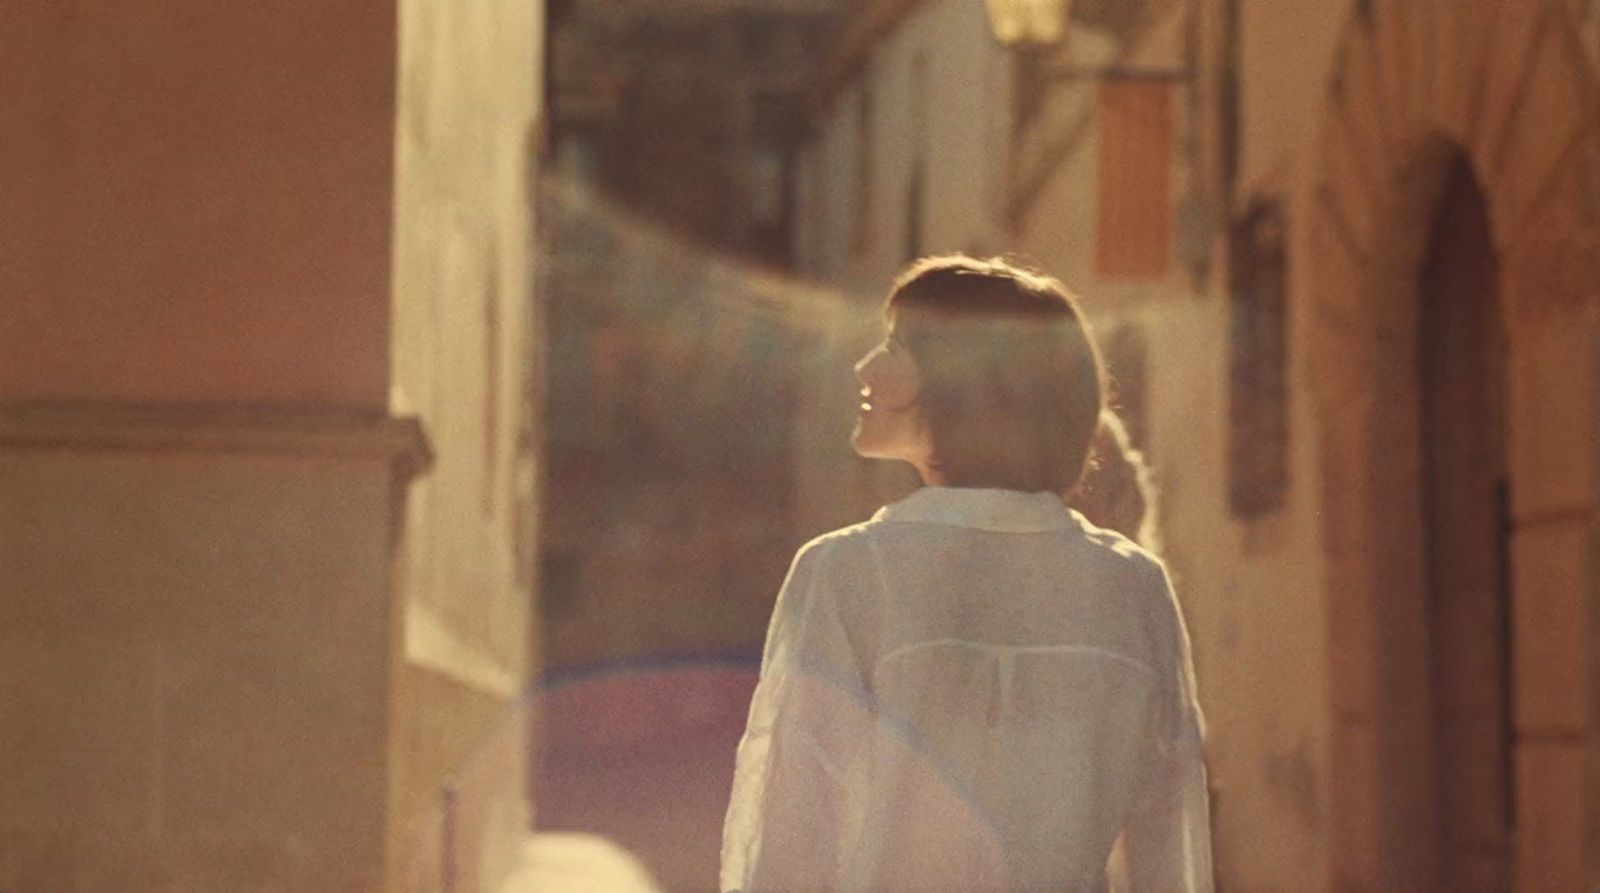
x=875, y=24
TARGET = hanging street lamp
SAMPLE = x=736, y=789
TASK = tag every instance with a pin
x=1037, y=24
x=1043, y=29
x=1041, y=32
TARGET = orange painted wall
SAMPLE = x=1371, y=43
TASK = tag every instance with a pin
x=195, y=202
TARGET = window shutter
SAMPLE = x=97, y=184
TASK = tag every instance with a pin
x=1134, y=231
x=1258, y=396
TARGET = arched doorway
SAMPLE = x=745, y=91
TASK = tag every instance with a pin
x=1462, y=380
x=1461, y=643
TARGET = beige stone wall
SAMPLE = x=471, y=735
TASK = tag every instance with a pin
x=1281, y=91
x=1261, y=631
x=465, y=356
x=194, y=695
x=1506, y=85
x=1316, y=602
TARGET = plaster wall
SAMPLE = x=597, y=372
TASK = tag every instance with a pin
x=1286, y=52
x=1354, y=141
x=234, y=657
x=1260, y=622
x=195, y=695
x=199, y=479
x=170, y=168
x=465, y=359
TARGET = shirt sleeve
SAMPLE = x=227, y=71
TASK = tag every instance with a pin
x=1168, y=835
x=806, y=720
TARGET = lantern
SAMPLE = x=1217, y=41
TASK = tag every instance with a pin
x=1035, y=23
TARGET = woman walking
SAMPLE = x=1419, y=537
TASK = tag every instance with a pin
x=977, y=689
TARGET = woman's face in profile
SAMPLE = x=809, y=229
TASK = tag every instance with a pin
x=889, y=420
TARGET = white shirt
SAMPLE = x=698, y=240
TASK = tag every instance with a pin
x=975, y=690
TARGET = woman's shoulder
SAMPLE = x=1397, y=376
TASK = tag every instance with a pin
x=1138, y=576
x=1117, y=549
x=841, y=538
x=833, y=547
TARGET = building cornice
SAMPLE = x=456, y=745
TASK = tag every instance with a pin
x=398, y=440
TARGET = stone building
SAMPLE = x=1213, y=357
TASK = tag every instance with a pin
x=267, y=445
x=1343, y=255
x=686, y=110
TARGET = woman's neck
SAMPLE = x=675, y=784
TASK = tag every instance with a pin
x=931, y=474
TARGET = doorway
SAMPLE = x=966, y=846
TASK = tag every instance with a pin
x=1463, y=382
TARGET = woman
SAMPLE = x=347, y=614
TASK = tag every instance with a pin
x=977, y=689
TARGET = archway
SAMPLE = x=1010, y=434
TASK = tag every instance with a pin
x=1461, y=583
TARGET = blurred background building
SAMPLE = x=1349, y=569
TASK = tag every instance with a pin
x=268, y=441
x=688, y=111
x=678, y=350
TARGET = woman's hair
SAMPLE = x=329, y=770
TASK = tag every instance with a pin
x=1012, y=385
x=1117, y=491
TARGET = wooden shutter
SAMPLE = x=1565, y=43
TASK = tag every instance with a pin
x=1134, y=231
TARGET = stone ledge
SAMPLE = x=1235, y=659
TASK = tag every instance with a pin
x=1550, y=516
x=400, y=440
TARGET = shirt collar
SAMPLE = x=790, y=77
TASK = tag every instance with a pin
x=1004, y=511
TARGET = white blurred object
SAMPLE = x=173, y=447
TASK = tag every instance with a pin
x=577, y=863
x=1029, y=22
